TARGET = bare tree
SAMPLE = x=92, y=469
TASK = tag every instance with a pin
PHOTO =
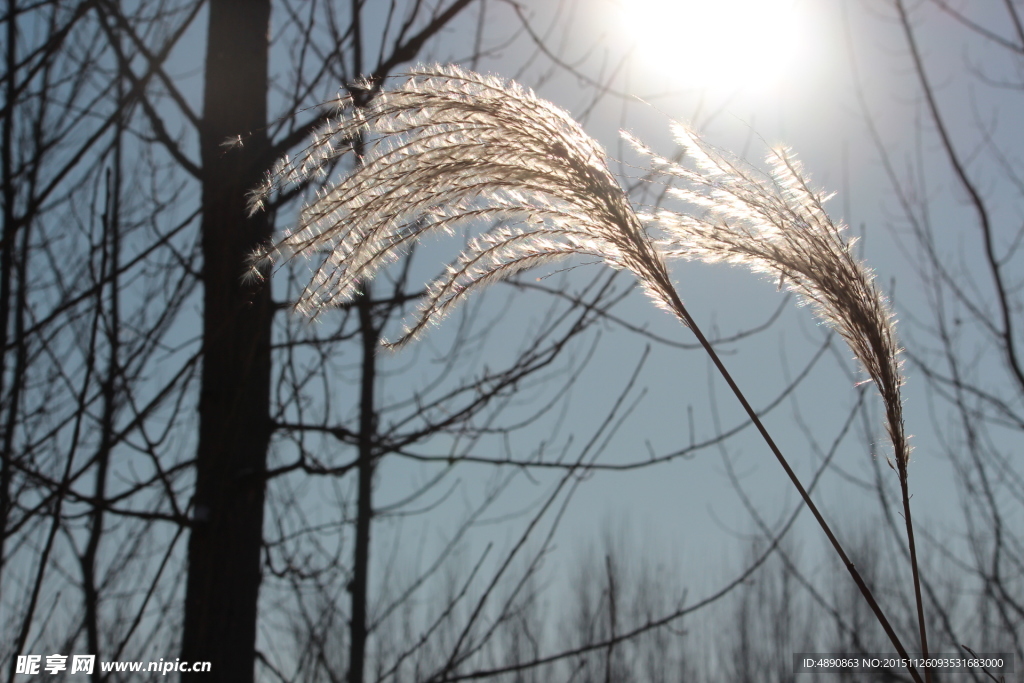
x=110, y=156
x=71, y=398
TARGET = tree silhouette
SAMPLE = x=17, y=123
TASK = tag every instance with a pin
x=124, y=213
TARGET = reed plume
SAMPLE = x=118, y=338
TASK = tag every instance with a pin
x=448, y=147
x=776, y=223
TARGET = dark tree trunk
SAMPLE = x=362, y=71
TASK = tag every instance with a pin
x=364, y=507
x=225, y=544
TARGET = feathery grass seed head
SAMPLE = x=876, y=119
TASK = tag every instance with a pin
x=448, y=147
x=444, y=148
x=776, y=223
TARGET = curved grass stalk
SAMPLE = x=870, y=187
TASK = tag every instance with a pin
x=776, y=223
x=448, y=147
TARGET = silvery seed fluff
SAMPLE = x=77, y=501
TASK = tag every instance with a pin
x=444, y=148
x=776, y=223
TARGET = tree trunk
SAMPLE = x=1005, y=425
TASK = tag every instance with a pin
x=364, y=506
x=226, y=539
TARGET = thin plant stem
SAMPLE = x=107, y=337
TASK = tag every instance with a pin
x=985, y=225
x=684, y=314
x=913, y=567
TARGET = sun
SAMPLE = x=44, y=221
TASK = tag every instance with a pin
x=714, y=44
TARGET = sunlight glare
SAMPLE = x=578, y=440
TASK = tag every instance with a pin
x=715, y=44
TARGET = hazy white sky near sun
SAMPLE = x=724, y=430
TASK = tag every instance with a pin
x=721, y=46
